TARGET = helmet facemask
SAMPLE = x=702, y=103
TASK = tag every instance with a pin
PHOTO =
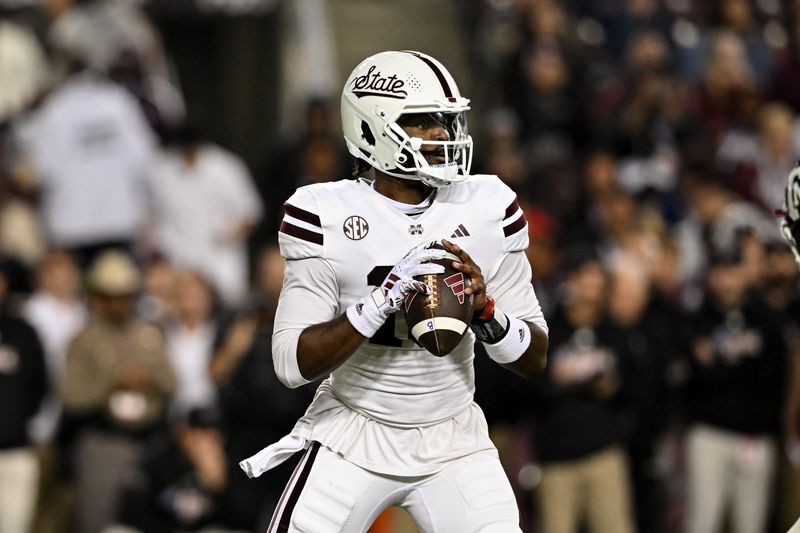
x=410, y=157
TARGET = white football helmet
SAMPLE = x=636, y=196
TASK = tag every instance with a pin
x=385, y=87
x=790, y=216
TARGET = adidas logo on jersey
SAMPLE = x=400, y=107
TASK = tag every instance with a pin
x=460, y=231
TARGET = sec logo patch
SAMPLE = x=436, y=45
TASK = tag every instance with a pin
x=355, y=228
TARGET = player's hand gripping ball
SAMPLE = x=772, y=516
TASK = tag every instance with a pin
x=437, y=321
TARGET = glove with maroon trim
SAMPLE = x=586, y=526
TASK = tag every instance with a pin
x=369, y=313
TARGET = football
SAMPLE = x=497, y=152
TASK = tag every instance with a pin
x=437, y=321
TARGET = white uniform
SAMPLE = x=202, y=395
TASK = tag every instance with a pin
x=392, y=408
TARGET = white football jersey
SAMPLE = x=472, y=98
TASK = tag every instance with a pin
x=353, y=237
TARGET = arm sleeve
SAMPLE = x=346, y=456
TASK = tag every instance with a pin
x=310, y=296
x=513, y=292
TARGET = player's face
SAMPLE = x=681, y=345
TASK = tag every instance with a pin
x=587, y=285
x=429, y=127
x=115, y=308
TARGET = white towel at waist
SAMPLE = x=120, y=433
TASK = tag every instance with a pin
x=273, y=455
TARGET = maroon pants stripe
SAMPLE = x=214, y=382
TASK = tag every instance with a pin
x=282, y=518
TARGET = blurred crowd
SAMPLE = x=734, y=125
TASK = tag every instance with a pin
x=135, y=327
x=649, y=141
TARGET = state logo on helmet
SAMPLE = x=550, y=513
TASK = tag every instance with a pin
x=790, y=216
x=383, y=89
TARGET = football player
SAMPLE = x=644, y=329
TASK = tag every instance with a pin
x=790, y=230
x=392, y=424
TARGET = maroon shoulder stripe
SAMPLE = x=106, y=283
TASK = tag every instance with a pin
x=515, y=226
x=302, y=214
x=301, y=233
x=286, y=516
x=512, y=208
x=439, y=74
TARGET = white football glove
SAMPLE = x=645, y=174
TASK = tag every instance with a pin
x=368, y=314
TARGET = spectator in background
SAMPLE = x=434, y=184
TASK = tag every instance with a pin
x=784, y=81
x=57, y=311
x=598, y=177
x=24, y=75
x=733, y=399
x=633, y=17
x=257, y=407
x=728, y=94
x=652, y=117
x=780, y=293
x=314, y=155
x=23, y=384
x=157, y=303
x=579, y=409
x=190, y=343
x=756, y=163
x=543, y=253
x=716, y=221
x=652, y=333
x=182, y=479
x=550, y=110
x=737, y=16
x=114, y=37
x=623, y=229
x=23, y=67
x=116, y=389
x=90, y=149
x=204, y=208
x=505, y=156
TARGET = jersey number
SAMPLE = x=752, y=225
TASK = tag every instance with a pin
x=385, y=336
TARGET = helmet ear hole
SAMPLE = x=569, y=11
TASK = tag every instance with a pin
x=404, y=156
x=366, y=133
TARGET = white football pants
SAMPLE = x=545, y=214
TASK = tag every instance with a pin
x=328, y=494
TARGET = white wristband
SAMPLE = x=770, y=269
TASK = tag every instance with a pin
x=365, y=316
x=513, y=344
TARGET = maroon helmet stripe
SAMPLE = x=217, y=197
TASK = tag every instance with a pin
x=302, y=214
x=300, y=233
x=439, y=74
x=512, y=208
x=515, y=226
x=286, y=515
